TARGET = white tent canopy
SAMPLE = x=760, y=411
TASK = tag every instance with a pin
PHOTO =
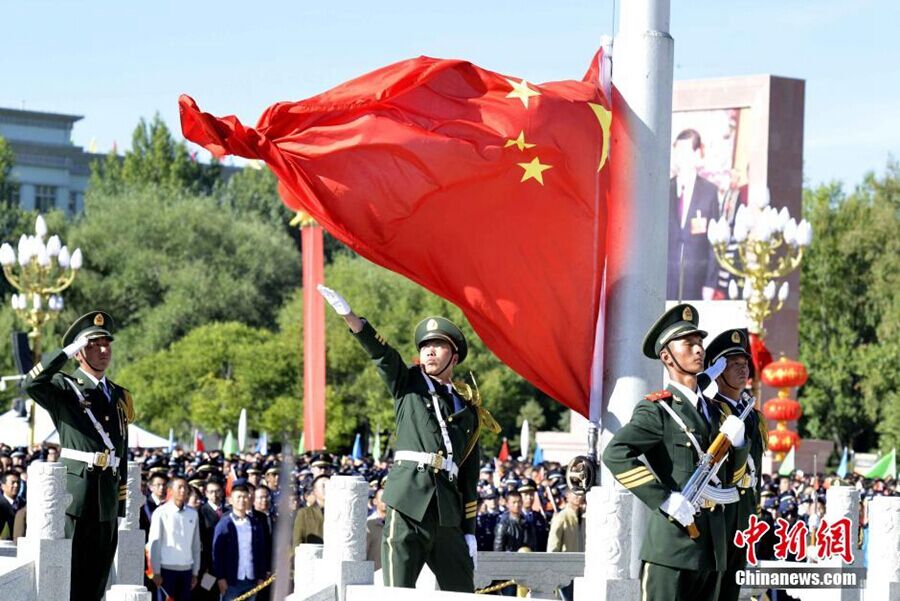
x=14, y=431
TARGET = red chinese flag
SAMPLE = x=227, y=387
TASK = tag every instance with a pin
x=488, y=190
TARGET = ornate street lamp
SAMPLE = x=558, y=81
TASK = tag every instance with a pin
x=40, y=271
x=763, y=246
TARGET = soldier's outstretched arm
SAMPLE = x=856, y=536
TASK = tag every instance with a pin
x=642, y=433
x=388, y=361
x=39, y=382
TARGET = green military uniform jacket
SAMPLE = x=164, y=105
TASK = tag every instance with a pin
x=672, y=458
x=738, y=514
x=410, y=489
x=309, y=525
x=52, y=390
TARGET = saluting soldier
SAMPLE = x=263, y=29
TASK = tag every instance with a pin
x=91, y=415
x=734, y=346
x=431, y=489
x=671, y=428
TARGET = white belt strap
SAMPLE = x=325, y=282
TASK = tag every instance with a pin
x=438, y=462
x=101, y=460
x=113, y=460
x=435, y=399
x=677, y=419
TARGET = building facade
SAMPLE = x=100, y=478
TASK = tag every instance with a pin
x=50, y=172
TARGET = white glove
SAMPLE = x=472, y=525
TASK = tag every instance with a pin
x=733, y=429
x=78, y=344
x=473, y=548
x=715, y=370
x=679, y=508
x=337, y=302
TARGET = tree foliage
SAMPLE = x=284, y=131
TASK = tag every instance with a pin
x=156, y=159
x=163, y=262
x=7, y=160
x=850, y=316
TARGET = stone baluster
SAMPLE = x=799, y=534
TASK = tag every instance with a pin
x=842, y=502
x=128, y=592
x=883, y=578
x=128, y=564
x=44, y=541
x=608, y=546
x=343, y=556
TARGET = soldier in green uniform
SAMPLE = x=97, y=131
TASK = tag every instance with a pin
x=670, y=428
x=734, y=346
x=91, y=414
x=431, y=489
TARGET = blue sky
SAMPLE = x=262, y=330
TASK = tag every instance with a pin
x=115, y=62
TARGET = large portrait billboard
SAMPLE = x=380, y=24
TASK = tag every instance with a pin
x=708, y=179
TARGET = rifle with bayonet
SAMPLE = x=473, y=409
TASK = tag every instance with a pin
x=698, y=488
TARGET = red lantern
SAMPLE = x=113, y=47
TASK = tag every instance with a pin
x=784, y=373
x=781, y=441
x=782, y=409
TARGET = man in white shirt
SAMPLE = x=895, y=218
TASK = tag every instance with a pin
x=174, y=545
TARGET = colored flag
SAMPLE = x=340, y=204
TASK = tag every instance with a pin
x=199, y=447
x=886, y=467
x=262, y=444
x=229, y=447
x=787, y=466
x=524, y=441
x=376, y=446
x=242, y=431
x=538, y=455
x=484, y=188
x=171, y=440
x=844, y=465
x=504, y=451
x=357, y=447
x=301, y=446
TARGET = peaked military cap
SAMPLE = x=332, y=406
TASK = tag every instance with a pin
x=678, y=322
x=726, y=344
x=96, y=324
x=527, y=485
x=441, y=328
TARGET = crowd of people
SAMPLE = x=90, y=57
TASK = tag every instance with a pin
x=193, y=553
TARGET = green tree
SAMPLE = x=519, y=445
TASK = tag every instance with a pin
x=207, y=377
x=155, y=158
x=163, y=262
x=849, y=314
x=7, y=160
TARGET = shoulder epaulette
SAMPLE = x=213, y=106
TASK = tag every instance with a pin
x=658, y=395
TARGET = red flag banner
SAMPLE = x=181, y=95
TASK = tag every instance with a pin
x=487, y=189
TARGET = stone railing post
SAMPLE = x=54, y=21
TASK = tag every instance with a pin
x=128, y=592
x=343, y=556
x=842, y=502
x=608, y=546
x=128, y=564
x=883, y=578
x=44, y=541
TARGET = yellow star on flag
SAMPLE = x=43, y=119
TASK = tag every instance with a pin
x=520, y=142
x=521, y=91
x=534, y=170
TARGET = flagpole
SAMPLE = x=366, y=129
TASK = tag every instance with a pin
x=637, y=232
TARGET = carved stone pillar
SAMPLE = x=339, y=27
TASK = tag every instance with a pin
x=842, y=502
x=608, y=546
x=44, y=541
x=883, y=580
x=128, y=564
x=344, y=531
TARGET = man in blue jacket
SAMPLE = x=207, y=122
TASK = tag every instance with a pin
x=241, y=557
